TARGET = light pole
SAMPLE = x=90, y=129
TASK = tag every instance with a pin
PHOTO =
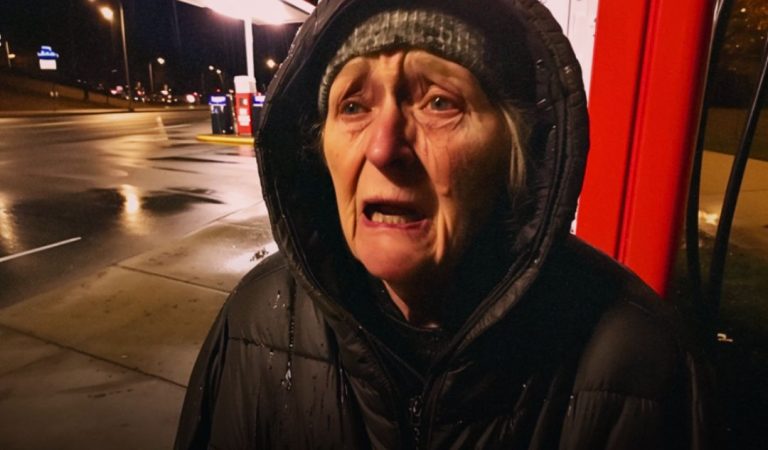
x=160, y=60
x=108, y=14
x=219, y=73
x=7, y=46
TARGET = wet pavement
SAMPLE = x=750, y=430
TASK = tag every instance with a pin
x=102, y=188
x=750, y=226
x=103, y=361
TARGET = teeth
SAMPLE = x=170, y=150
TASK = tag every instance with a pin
x=389, y=219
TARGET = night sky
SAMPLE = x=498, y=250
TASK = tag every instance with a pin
x=188, y=37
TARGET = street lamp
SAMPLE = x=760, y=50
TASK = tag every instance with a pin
x=160, y=60
x=219, y=73
x=109, y=15
x=271, y=63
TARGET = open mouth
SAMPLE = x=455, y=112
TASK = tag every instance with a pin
x=390, y=214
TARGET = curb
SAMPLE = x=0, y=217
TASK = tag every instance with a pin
x=225, y=139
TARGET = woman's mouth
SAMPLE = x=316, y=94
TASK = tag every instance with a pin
x=391, y=214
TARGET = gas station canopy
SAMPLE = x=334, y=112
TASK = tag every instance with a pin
x=260, y=12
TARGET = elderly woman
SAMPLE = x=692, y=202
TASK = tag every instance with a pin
x=421, y=162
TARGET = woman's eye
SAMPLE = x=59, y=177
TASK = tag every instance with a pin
x=439, y=103
x=351, y=108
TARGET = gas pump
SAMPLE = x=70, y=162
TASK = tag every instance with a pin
x=245, y=89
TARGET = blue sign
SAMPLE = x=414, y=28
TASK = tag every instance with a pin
x=218, y=100
x=46, y=52
x=258, y=101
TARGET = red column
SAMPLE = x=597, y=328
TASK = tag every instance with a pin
x=645, y=99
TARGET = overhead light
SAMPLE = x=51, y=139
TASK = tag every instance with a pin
x=107, y=13
x=266, y=11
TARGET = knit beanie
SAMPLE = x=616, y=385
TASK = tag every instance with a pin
x=433, y=31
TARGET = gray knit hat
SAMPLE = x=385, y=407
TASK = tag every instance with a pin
x=433, y=31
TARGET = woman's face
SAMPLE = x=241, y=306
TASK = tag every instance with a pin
x=418, y=156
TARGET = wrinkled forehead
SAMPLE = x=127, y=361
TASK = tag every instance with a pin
x=414, y=69
x=436, y=32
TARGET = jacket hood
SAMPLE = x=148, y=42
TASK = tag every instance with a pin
x=297, y=187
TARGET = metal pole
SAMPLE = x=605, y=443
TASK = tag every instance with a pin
x=125, y=57
x=702, y=306
x=740, y=159
x=8, y=53
x=248, y=26
x=151, y=80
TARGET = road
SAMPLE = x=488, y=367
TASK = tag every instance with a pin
x=81, y=192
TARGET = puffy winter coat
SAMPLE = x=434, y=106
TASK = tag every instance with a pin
x=567, y=349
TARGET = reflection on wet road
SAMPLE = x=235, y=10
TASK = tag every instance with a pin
x=122, y=183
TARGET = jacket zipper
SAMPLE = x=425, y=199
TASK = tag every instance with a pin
x=415, y=406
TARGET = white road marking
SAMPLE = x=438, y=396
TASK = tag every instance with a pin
x=39, y=249
x=45, y=124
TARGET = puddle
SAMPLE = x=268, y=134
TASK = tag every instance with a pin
x=37, y=222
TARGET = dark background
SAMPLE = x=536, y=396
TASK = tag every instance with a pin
x=90, y=50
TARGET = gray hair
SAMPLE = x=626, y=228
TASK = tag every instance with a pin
x=519, y=130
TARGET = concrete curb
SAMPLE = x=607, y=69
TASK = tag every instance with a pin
x=225, y=139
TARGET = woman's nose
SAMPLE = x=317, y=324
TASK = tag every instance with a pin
x=389, y=145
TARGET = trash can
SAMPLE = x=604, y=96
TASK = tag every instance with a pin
x=221, y=114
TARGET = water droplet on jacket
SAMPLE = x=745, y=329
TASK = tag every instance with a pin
x=286, y=382
x=570, y=406
x=276, y=301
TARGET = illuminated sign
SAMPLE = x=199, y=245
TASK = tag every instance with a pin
x=47, y=58
x=258, y=101
x=46, y=52
x=218, y=100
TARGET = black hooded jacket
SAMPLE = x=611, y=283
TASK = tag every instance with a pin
x=566, y=348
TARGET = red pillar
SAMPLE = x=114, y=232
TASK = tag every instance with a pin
x=645, y=100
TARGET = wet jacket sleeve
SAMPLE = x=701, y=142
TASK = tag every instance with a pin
x=194, y=429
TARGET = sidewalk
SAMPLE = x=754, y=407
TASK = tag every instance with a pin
x=750, y=225
x=103, y=362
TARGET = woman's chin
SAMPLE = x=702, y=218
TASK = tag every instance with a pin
x=391, y=265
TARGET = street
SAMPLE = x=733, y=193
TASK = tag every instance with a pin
x=121, y=236
x=80, y=192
